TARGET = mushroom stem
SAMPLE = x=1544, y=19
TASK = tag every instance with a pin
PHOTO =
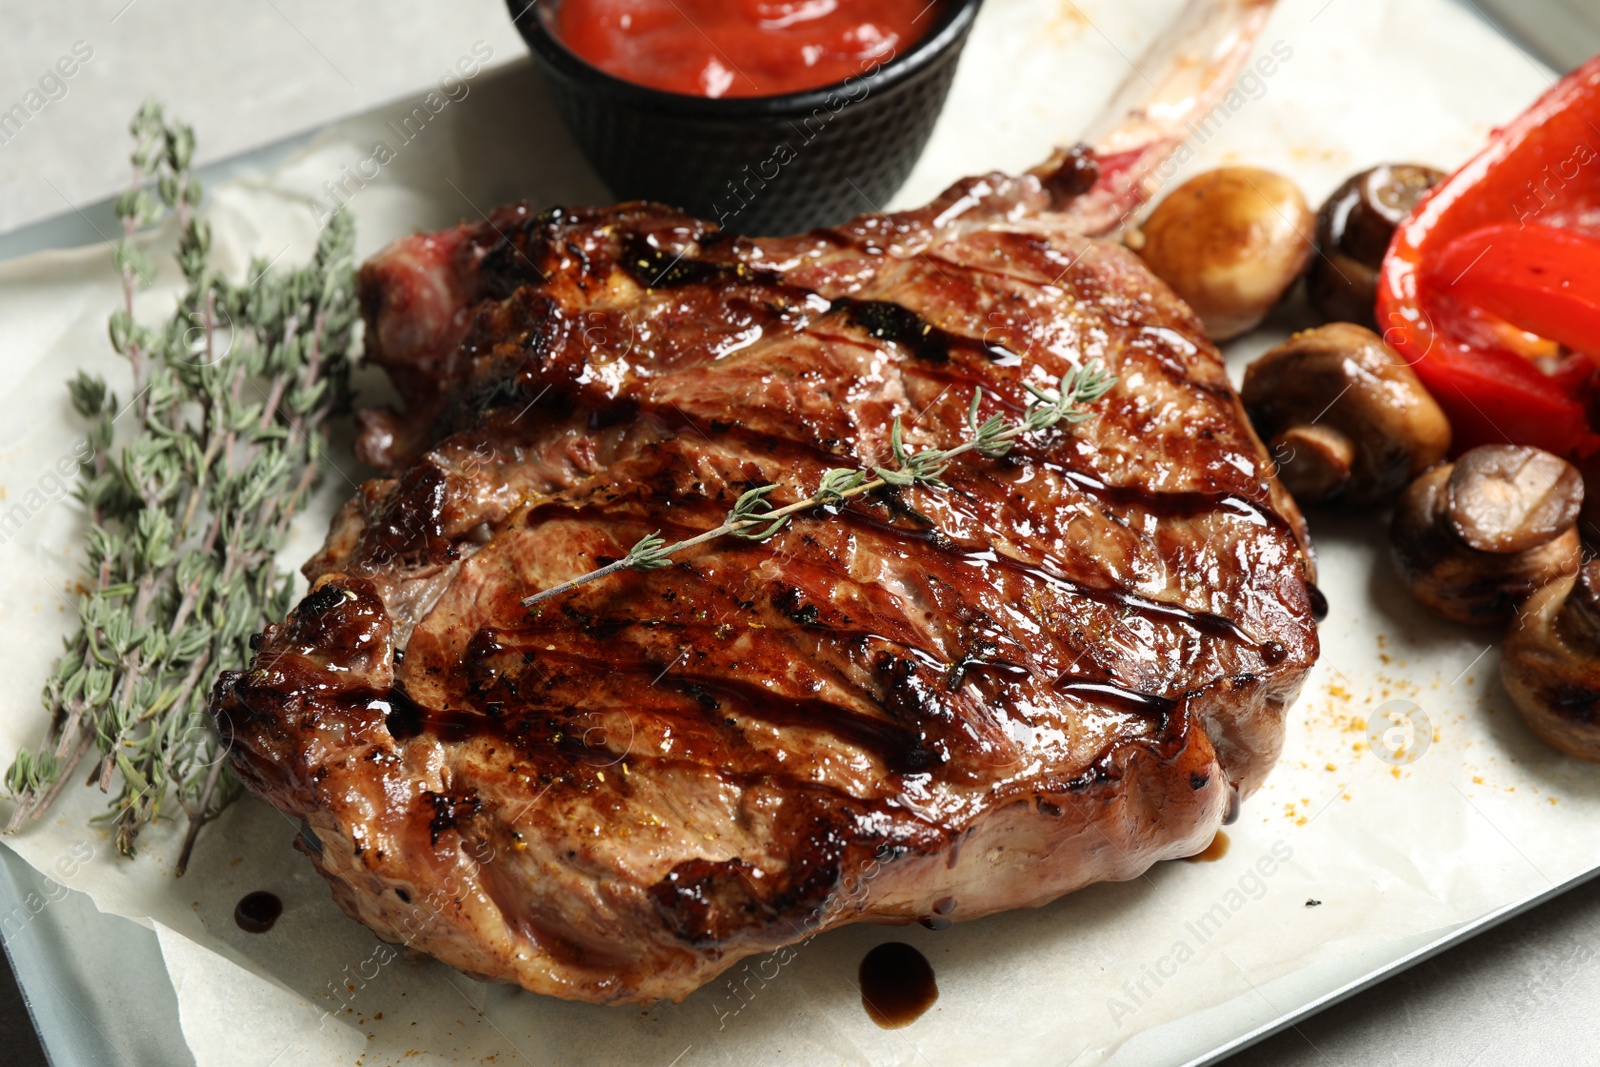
x=1314, y=461
x=1506, y=499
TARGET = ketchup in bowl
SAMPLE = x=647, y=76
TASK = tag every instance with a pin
x=719, y=48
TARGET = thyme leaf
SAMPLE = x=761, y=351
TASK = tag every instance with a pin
x=755, y=519
x=189, y=485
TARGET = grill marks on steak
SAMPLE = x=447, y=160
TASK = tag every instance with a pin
x=1049, y=674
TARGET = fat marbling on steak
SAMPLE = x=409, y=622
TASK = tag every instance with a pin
x=927, y=703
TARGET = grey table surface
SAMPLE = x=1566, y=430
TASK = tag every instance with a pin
x=1521, y=994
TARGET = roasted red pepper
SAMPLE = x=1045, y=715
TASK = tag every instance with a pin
x=1491, y=289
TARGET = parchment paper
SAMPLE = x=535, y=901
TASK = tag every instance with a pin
x=1391, y=850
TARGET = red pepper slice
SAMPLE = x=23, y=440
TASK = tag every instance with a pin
x=1537, y=278
x=1461, y=276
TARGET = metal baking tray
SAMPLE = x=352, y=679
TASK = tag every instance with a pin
x=88, y=978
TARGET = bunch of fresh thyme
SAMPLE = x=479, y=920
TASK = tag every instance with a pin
x=219, y=446
x=754, y=518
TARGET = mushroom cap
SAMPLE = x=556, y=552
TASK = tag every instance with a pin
x=1354, y=226
x=1339, y=395
x=1230, y=242
x=1550, y=664
x=1374, y=203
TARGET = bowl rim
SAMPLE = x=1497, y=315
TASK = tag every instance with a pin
x=952, y=26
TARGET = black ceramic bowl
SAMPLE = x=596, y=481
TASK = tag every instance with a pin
x=757, y=165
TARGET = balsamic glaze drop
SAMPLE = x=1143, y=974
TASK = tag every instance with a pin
x=256, y=912
x=1319, y=603
x=406, y=718
x=897, y=985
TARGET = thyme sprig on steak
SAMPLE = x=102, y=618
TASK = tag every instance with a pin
x=754, y=518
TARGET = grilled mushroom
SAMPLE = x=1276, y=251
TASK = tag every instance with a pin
x=1551, y=664
x=1353, y=231
x=1474, y=538
x=1589, y=521
x=1229, y=242
x=1345, y=417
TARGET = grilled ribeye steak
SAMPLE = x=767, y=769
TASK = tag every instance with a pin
x=926, y=703
x=1055, y=672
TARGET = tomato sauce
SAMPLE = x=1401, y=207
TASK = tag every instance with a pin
x=740, y=47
